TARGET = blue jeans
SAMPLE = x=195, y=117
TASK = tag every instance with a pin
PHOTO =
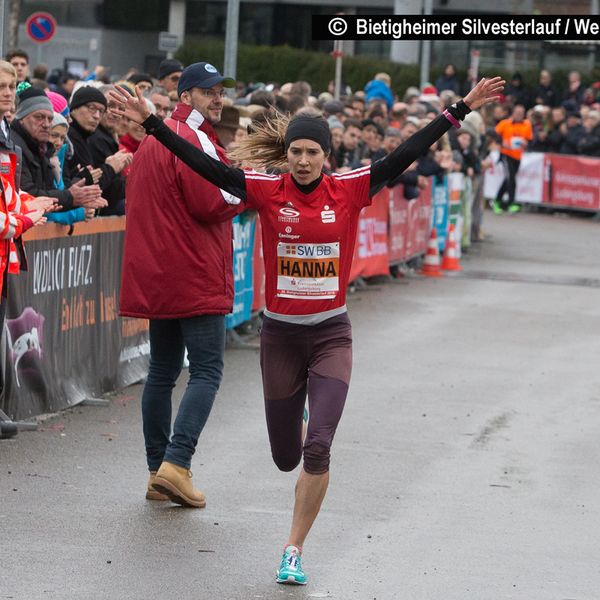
x=204, y=338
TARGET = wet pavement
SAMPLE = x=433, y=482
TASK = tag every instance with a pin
x=466, y=465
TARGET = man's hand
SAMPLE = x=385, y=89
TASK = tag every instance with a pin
x=119, y=160
x=126, y=105
x=43, y=203
x=486, y=91
x=90, y=213
x=95, y=203
x=96, y=173
x=84, y=193
x=421, y=182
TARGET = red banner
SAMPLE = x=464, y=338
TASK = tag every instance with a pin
x=371, y=253
x=398, y=224
x=419, y=223
x=575, y=181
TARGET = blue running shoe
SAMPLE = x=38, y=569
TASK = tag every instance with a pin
x=290, y=569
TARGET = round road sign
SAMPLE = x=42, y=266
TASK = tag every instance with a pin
x=41, y=27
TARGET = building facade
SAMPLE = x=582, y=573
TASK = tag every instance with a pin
x=125, y=33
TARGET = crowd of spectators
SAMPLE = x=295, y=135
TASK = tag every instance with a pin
x=76, y=150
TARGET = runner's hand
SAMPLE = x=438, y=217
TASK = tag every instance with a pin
x=128, y=106
x=486, y=91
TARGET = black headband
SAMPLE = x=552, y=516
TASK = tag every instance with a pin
x=305, y=127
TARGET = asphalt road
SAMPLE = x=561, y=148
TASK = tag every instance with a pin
x=466, y=465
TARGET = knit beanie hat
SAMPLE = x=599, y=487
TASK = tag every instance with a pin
x=87, y=94
x=305, y=127
x=59, y=120
x=168, y=66
x=30, y=100
x=59, y=103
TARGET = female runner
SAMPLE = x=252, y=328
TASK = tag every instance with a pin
x=309, y=222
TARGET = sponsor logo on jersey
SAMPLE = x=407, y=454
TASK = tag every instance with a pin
x=327, y=216
x=288, y=214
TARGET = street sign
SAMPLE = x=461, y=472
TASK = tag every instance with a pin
x=40, y=27
x=168, y=42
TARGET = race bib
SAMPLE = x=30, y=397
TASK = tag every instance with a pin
x=308, y=271
x=517, y=142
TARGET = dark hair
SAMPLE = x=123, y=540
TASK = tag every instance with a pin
x=262, y=98
x=281, y=104
x=17, y=52
x=301, y=88
x=40, y=71
x=295, y=103
x=352, y=123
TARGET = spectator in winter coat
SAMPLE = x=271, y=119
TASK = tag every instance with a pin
x=347, y=156
x=142, y=81
x=517, y=93
x=130, y=142
x=227, y=127
x=589, y=144
x=177, y=272
x=58, y=139
x=379, y=89
x=169, y=73
x=448, y=80
x=575, y=90
x=19, y=59
x=160, y=98
x=30, y=130
x=88, y=106
x=546, y=93
x=555, y=135
x=573, y=131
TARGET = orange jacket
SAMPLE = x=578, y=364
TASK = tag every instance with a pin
x=12, y=221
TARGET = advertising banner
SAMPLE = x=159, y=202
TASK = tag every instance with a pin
x=493, y=176
x=575, y=181
x=439, y=206
x=398, y=224
x=419, y=223
x=530, y=178
x=371, y=250
x=244, y=227
x=64, y=341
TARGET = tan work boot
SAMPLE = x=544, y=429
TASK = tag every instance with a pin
x=151, y=493
x=176, y=483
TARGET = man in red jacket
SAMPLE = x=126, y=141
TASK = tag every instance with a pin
x=177, y=272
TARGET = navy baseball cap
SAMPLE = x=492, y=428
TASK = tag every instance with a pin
x=202, y=75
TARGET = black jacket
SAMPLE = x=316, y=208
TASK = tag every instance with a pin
x=589, y=143
x=109, y=181
x=547, y=95
x=37, y=175
x=82, y=156
x=102, y=145
x=571, y=139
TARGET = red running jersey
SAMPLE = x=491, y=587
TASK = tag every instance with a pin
x=308, y=239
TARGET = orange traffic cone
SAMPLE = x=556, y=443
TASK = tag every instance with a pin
x=431, y=264
x=450, y=261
